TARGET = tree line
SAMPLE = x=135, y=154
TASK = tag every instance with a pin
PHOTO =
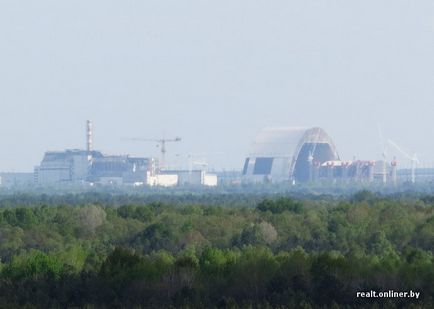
x=274, y=252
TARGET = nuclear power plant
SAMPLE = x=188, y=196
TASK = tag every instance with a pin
x=301, y=155
x=278, y=155
x=95, y=168
x=283, y=154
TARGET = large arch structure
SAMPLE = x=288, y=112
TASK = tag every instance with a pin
x=282, y=154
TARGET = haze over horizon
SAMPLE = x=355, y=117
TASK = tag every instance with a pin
x=213, y=73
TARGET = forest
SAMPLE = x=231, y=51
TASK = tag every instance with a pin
x=215, y=250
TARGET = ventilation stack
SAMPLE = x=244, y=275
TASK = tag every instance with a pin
x=89, y=142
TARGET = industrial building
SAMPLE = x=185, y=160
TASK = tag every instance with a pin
x=92, y=167
x=69, y=166
x=121, y=170
x=277, y=155
x=356, y=171
x=287, y=154
x=193, y=177
x=309, y=155
x=80, y=166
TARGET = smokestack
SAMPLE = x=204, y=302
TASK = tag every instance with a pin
x=89, y=142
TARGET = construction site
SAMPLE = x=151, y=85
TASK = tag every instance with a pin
x=309, y=155
x=278, y=155
x=92, y=167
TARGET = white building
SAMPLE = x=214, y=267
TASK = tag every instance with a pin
x=63, y=166
x=287, y=154
x=80, y=166
x=193, y=177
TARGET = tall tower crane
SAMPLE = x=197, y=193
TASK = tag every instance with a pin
x=384, y=150
x=160, y=143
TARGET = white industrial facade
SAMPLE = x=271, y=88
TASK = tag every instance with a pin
x=80, y=166
x=286, y=153
x=193, y=177
x=63, y=166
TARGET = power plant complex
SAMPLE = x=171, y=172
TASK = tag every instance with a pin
x=291, y=155
x=95, y=168
x=308, y=155
x=283, y=154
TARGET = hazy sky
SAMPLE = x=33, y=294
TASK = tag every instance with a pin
x=214, y=73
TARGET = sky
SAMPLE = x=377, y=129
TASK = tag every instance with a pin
x=214, y=73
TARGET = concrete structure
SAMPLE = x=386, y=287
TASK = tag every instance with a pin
x=121, y=170
x=69, y=166
x=288, y=154
x=193, y=177
x=162, y=180
x=89, y=138
x=92, y=167
x=81, y=166
x=346, y=171
x=357, y=171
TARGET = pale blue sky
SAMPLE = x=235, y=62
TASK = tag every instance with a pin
x=214, y=73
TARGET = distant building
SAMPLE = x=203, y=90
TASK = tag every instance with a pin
x=357, y=171
x=287, y=154
x=81, y=166
x=163, y=180
x=92, y=167
x=69, y=166
x=193, y=177
x=121, y=170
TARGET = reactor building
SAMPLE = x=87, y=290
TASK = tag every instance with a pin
x=281, y=154
x=78, y=166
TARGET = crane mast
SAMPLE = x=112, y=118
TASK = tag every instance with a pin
x=162, y=144
x=413, y=159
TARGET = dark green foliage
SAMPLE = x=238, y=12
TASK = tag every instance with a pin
x=280, y=205
x=157, y=236
x=284, y=253
x=141, y=213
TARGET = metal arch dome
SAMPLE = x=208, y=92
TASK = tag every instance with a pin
x=284, y=146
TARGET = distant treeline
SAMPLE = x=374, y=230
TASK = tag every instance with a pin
x=95, y=250
x=216, y=196
x=173, y=198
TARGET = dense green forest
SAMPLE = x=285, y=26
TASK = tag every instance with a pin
x=215, y=251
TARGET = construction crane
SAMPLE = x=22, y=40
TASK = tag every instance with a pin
x=383, y=147
x=160, y=143
x=414, y=160
x=202, y=162
x=194, y=156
